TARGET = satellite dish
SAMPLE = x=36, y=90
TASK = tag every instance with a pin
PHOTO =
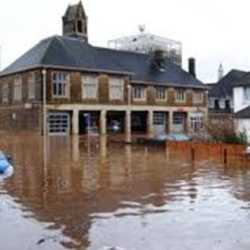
x=141, y=27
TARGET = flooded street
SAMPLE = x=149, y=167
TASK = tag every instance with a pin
x=87, y=193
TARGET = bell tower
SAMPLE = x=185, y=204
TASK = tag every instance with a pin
x=75, y=22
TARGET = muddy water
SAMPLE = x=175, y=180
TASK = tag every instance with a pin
x=75, y=193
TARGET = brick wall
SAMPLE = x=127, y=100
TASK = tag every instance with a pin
x=103, y=93
x=25, y=114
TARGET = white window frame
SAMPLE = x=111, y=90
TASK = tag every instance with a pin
x=246, y=94
x=116, y=88
x=178, y=119
x=139, y=93
x=198, y=97
x=58, y=123
x=17, y=88
x=60, y=85
x=160, y=94
x=89, y=86
x=31, y=86
x=180, y=95
x=196, y=122
x=5, y=93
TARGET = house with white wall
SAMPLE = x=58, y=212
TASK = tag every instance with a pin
x=241, y=97
x=221, y=104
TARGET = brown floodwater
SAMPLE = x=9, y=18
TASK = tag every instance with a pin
x=87, y=193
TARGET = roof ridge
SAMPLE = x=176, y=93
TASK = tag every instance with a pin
x=51, y=41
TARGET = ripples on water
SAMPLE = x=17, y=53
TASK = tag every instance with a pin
x=75, y=194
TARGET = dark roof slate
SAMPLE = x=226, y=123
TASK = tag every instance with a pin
x=224, y=88
x=244, y=81
x=60, y=51
x=244, y=113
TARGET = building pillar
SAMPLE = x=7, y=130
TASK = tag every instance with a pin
x=103, y=147
x=75, y=148
x=103, y=122
x=75, y=122
x=187, y=123
x=150, y=124
x=128, y=126
x=170, y=122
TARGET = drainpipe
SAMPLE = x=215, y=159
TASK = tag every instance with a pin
x=128, y=116
x=44, y=73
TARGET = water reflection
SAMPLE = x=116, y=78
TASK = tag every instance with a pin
x=89, y=193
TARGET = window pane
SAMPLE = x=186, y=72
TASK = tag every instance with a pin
x=89, y=86
x=60, y=84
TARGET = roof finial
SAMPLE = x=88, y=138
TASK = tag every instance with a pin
x=141, y=28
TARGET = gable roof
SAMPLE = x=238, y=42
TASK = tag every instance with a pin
x=244, y=113
x=244, y=81
x=224, y=88
x=72, y=53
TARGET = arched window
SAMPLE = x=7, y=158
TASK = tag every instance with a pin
x=79, y=26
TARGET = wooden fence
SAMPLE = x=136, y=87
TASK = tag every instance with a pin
x=196, y=151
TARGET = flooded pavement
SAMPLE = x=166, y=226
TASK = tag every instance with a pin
x=85, y=193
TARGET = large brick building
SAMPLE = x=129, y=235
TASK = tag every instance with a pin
x=76, y=84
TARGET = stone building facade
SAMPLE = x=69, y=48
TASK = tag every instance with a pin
x=81, y=88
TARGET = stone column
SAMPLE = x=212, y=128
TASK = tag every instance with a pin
x=75, y=122
x=128, y=126
x=103, y=147
x=103, y=122
x=170, y=122
x=75, y=148
x=150, y=124
x=187, y=123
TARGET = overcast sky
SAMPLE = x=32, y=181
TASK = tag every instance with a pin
x=212, y=31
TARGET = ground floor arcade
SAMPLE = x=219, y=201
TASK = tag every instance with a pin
x=152, y=121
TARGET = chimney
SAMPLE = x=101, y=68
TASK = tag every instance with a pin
x=191, y=66
x=159, y=59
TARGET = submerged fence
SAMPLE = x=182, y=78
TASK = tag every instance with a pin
x=197, y=151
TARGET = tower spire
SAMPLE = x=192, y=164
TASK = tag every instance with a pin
x=220, y=72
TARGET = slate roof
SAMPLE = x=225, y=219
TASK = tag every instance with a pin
x=72, y=53
x=224, y=87
x=244, y=81
x=244, y=113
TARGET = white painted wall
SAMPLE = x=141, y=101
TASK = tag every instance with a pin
x=222, y=103
x=244, y=125
x=211, y=103
x=238, y=99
